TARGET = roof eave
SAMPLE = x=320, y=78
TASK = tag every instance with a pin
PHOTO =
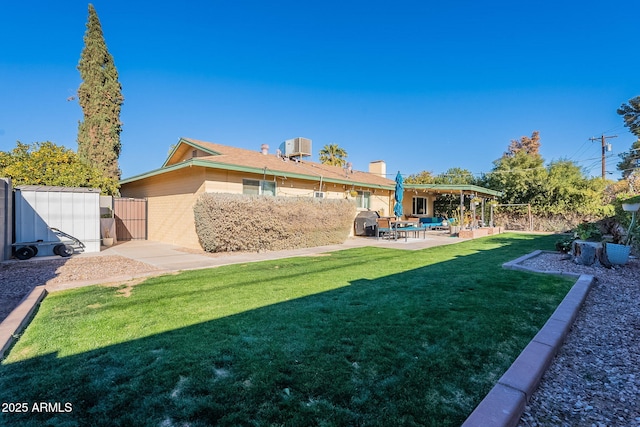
x=191, y=143
x=253, y=170
x=465, y=188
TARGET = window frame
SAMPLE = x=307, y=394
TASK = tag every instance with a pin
x=363, y=199
x=414, y=205
x=265, y=188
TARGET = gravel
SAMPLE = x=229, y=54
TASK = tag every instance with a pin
x=18, y=278
x=594, y=379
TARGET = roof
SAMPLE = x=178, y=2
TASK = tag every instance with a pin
x=50, y=189
x=238, y=159
x=224, y=157
x=455, y=189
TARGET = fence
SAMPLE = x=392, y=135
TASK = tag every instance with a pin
x=6, y=218
x=131, y=218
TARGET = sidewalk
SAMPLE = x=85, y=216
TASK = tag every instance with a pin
x=175, y=258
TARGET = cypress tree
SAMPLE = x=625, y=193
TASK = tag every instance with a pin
x=100, y=96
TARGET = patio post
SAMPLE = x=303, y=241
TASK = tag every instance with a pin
x=491, y=217
x=461, y=210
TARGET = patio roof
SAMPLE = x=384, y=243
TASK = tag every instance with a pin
x=455, y=189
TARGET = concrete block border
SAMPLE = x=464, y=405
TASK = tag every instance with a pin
x=505, y=403
x=19, y=318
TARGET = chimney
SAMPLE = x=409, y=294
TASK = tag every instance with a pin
x=378, y=167
x=264, y=148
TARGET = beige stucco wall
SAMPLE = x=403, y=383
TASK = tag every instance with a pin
x=218, y=181
x=171, y=220
x=407, y=202
x=172, y=195
x=170, y=200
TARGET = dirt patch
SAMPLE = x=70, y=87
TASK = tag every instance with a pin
x=125, y=288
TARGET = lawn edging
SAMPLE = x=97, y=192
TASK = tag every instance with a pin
x=505, y=403
x=19, y=318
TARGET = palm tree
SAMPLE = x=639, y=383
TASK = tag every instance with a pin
x=333, y=155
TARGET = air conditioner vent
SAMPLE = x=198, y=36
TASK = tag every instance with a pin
x=297, y=147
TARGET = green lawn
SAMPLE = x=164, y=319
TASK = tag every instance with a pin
x=367, y=336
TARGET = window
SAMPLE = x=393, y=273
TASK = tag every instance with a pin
x=363, y=199
x=262, y=187
x=420, y=206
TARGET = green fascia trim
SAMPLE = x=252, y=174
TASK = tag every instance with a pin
x=455, y=187
x=246, y=169
x=191, y=143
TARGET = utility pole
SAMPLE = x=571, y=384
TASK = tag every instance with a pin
x=604, y=150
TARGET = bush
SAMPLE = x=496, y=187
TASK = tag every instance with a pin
x=564, y=245
x=588, y=231
x=555, y=223
x=237, y=222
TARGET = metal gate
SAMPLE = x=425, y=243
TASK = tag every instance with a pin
x=131, y=218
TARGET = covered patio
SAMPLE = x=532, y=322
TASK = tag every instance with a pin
x=465, y=205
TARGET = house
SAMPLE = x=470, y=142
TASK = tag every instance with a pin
x=195, y=167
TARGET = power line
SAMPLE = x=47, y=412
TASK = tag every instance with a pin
x=580, y=150
x=604, y=150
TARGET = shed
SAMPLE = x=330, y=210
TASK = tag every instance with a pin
x=73, y=210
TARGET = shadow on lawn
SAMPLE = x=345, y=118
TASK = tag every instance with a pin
x=413, y=348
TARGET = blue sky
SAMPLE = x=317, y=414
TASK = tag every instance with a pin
x=423, y=85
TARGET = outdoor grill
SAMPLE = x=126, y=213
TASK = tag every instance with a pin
x=365, y=223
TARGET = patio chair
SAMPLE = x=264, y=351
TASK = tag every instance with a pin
x=384, y=228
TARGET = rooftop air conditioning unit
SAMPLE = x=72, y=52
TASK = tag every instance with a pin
x=297, y=147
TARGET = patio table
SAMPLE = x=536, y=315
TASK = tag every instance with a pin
x=407, y=227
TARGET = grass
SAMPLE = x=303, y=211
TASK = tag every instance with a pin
x=366, y=336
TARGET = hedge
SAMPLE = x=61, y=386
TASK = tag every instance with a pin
x=237, y=222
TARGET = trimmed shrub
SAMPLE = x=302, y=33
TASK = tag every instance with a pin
x=238, y=222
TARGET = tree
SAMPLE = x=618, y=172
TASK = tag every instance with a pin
x=455, y=176
x=631, y=115
x=560, y=188
x=568, y=189
x=49, y=164
x=526, y=144
x=630, y=160
x=521, y=177
x=333, y=155
x=100, y=96
x=424, y=177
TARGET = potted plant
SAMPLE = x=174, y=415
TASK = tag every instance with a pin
x=351, y=194
x=107, y=240
x=454, y=226
x=618, y=253
x=588, y=231
x=631, y=204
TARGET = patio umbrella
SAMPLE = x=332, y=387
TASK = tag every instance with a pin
x=397, y=208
